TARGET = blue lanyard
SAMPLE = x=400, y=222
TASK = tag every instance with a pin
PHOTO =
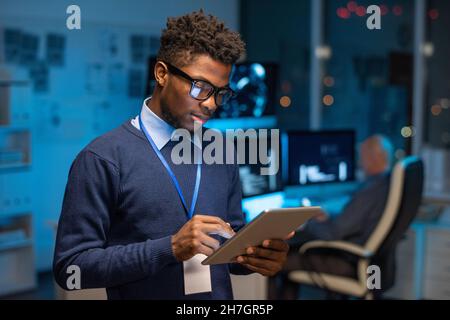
x=190, y=213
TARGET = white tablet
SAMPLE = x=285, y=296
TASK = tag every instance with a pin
x=270, y=224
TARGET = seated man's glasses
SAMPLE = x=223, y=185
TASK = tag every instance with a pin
x=201, y=90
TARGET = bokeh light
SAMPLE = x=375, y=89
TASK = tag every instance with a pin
x=361, y=11
x=445, y=103
x=397, y=10
x=328, y=100
x=436, y=110
x=343, y=13
x=406, y=132
x=433, y=14
x=328, y=81
x=285, y=101
x=286, y=87
x=351, y=6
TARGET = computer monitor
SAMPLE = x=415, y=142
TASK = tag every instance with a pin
x=320, y=157
x=253, y=206
x=256, y=85
x=253, y=180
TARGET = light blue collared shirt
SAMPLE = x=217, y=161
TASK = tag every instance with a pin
x=160, y=131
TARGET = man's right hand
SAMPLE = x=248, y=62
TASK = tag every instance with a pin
x=193, y=237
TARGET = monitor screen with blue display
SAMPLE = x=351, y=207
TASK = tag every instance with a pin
x=255, y=85
x=320, y=157
x=259, y=163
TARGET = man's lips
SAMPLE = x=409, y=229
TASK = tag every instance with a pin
x=200, y=119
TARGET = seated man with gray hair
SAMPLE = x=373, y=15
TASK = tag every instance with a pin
x=354, y=224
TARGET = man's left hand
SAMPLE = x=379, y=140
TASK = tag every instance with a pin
x=267, y=259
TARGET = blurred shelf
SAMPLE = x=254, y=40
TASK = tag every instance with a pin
x=9, y=83
x=15, y=149
x=14, y=214
x=17, y=265
x=16, y=244
x=8, y=128
x=16, y=253
x=15, y=166
x=14, y=99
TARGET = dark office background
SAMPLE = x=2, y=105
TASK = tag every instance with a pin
x=69, y=86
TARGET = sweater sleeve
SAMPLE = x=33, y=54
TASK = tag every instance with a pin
x=236, y=217
x=90, y=198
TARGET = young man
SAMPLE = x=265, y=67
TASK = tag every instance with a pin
x=128, y=221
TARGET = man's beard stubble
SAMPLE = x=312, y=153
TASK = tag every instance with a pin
x=169, y=117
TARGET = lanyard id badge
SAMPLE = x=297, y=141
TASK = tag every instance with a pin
x=197, y=277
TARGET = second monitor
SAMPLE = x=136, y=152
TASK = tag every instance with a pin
x=266, y=158
x=320, y=157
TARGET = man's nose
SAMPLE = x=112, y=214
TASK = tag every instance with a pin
x=209, y=105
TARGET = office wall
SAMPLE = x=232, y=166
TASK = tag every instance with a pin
x=134, y=12
x=438, y=78
x=279, y=31
x=372, y=91
x=89, y=93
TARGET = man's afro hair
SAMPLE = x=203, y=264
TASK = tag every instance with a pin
x=196, y=33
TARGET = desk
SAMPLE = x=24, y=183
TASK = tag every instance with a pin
x=439, y=198
x=332, y=197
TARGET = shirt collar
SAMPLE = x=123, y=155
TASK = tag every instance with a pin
x=160, y=131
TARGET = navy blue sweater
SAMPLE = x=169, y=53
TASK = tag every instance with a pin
x=120, y=210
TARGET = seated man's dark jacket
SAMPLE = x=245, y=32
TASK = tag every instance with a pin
x=358, y=219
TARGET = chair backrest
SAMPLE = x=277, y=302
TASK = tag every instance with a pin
x=405, y=195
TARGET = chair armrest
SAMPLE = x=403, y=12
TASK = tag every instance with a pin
x=340, y=245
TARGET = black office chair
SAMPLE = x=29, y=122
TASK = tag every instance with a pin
x=405, y=194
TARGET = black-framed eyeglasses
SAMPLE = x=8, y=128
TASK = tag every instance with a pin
x=201, y=89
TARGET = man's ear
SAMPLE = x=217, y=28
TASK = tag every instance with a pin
x=161, y=73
